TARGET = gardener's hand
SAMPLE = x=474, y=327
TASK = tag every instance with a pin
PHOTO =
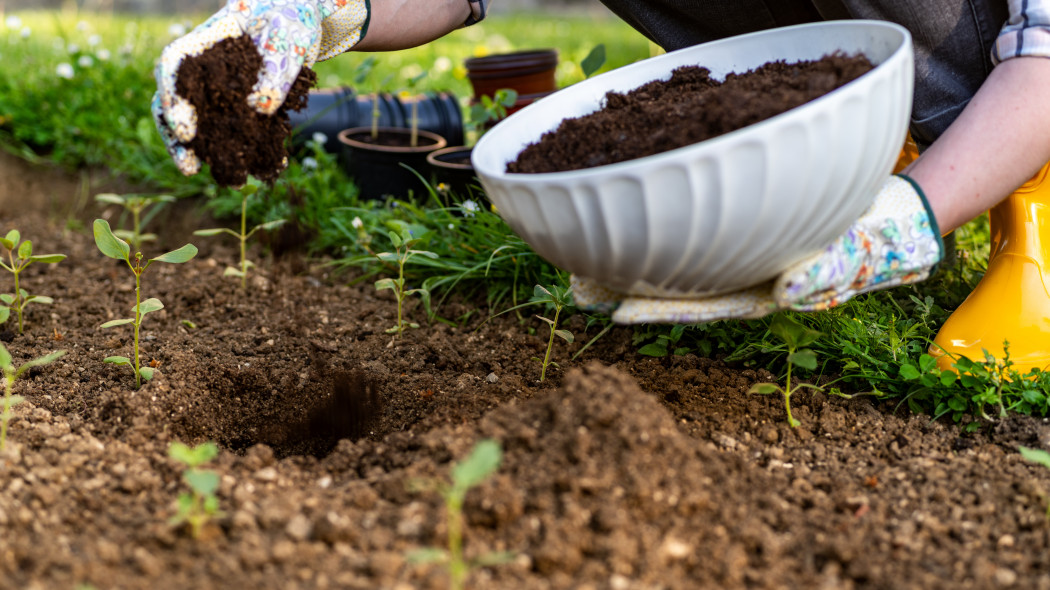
x=289, y=34
x=895, y=242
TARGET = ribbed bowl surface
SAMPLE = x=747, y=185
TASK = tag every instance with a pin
x=726, y=213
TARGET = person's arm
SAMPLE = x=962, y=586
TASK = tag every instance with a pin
x=998, y=142
x=401, y=24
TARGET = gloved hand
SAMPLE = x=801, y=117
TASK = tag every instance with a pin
x=895, y=242
x=289, y=34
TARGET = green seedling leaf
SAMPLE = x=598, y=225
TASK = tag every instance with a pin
x=395, y=239
x=794, y=334
x=216, y=231
x=193, y=456
x=807, y=359
x=203, y=482
x=382, y=284
x=14, y=400
x=483, y=461
x=1035, y=456
x=109, y=199
x=564, y=335
x=909, y=372
x=654, y=349
x=50, y=358
x=26, y=249
x=426, y=555
x=12, y=238
x=189, y=324
x=594, y=60
x=117, y=360
x=39, y=299
x=764, y=389
x=430, y=255
x=5, y=357
x=7, y=298
x=146, y=373
x=109, y=244
x=179, y=256
x=270, y=225
x=5, y=312
x=150, y=305
x=48, y=258
x=232, y=272
x=387, y=257
x=113, y=323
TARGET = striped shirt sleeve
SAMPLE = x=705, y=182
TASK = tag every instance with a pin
x=1026, y=33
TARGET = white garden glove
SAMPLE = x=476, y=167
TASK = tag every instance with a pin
x=289, y=34
x=895, y=242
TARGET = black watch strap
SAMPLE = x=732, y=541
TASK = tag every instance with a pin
x=477, y=12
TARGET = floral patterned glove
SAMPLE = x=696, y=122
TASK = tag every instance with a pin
x=895, y=242
x=289, y=34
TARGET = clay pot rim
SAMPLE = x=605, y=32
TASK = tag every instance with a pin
x=517, y=59
x=345, y=139
x=433, y=157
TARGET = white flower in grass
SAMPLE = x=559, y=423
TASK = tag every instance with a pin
x=13, y=22
x=442, y=64
x=319, y=138
x=309, y=163
x=357, y=223
x=25, y=33
x=85, y=61
x=64, y=70
x=73, y=48
x=469, y=207
x=103, y=55
x=83, y=26
x=177, y=30
x=94, y=40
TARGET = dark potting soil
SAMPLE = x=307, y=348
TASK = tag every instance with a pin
x=231, y=137
x=688, y=108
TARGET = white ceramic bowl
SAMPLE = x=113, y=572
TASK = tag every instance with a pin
x=726, y=213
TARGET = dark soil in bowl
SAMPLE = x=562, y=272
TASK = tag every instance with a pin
x=688, y=108
x=621, y=471
x=232, y=137
x=395, y=140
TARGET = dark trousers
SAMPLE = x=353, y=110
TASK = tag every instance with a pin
x=952, y=38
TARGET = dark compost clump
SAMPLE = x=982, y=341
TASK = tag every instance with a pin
x=231, y=137
x=688, y=108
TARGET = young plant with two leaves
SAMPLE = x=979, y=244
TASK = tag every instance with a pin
x=114, y=247
x=244, y=235
x=19, y=256
x=11, y=373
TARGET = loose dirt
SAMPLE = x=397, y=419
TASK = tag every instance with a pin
x=232, y=137
x=620, y=471
x=688, y=108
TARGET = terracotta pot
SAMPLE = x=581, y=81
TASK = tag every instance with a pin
x=330, y=110
x=529, y=73
x=451, y=166
x=377, y=168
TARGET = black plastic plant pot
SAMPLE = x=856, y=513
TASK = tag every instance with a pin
x=377, y=165
x=332, y=110
x=453, y=174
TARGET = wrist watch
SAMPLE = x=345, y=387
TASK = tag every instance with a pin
x=477, y=12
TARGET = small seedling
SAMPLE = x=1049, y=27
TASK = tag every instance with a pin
x=137, y=205
x=244, y=235
x=411, y=84
x=114, y=247
x=483, y=461
x=558, y=298
x=19, y=256
x=795, y=337
x=489, y=110
x=363, y=76
x=199, y=505
x=1040, y=457
x=11, y=373
x=403, y=252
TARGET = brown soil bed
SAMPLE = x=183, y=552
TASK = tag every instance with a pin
x=688, y=108
x=620, y=471
x=232, y=137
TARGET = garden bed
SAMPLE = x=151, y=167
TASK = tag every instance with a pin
x=620, y=471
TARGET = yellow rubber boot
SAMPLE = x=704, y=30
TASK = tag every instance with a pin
x=1011, y=303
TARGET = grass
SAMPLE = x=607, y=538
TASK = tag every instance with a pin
x=75, y=90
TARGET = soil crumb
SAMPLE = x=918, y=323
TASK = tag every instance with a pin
x=688, y=108
x=231, y=137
